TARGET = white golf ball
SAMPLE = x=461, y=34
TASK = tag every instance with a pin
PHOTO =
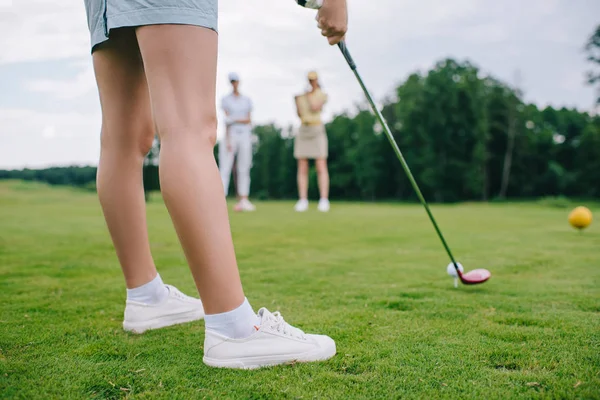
x=452, y=271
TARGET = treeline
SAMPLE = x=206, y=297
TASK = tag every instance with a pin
x=72, y=176
x=465, y=136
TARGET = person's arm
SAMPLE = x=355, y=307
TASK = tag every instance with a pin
x=248, y=119
x=245, y=121
x=317, y=102
x=227, y=137
x=228, y=119
x=297, y=100
x=228, y=122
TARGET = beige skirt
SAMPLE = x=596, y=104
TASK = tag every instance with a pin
x=311, y=142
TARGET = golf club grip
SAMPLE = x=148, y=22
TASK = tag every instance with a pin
x=314, y=4
x=346, y=53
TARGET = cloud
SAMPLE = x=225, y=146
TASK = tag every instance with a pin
x=35, y=139
x=30, y=124
x=81, y=84
x=49, y=132
x=32, y=30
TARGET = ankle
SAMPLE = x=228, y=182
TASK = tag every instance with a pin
x=152, y=292
x=238, y=323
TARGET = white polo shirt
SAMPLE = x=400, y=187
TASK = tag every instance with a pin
x=238, y=107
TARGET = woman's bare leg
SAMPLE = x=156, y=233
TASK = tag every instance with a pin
x=323, y=177
x=302, y=179
x=127, y=134
x=180, y=64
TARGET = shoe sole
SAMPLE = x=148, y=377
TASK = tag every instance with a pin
x=162, y=322
x=270, y=361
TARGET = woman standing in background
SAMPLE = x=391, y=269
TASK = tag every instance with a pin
x=311, y=143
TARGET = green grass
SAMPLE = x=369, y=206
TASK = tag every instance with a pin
x=372, y=276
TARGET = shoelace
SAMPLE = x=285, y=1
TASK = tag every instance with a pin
x=277, y=323
x=176, y=292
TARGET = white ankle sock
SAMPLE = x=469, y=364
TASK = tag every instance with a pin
x=152, y=292
x=235, y=324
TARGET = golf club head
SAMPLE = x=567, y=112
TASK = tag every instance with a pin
x=475, y=277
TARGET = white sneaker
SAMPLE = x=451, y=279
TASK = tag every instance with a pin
x=176, y=309
x=301, y=205
x=244, y=205
x=323, y=205
x=274, y=342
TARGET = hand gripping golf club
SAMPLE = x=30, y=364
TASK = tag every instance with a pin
x=314, y=4
x=469, y=278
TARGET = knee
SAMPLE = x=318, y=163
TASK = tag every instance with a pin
x=208, y=130
x=321, y=167
x=146, y=142
x=303, y=166
x=201, y=132
x=131, y=140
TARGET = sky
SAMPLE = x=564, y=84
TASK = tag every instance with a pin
x=49, y=108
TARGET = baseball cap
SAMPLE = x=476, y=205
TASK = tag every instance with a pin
x=233, y=77
x=312, y=75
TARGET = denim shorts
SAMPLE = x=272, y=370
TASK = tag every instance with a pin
x=104, y=15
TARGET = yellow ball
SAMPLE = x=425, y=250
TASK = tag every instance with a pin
x=580, y=217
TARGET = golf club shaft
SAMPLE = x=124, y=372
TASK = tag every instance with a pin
x=388, y=133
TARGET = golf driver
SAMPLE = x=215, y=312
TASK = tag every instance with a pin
x=469, y=278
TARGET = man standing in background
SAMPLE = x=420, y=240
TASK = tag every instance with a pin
x=237, y=143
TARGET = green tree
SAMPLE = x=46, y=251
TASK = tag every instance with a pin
x=592, y=48
x=588, y=160
x=465, y=136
